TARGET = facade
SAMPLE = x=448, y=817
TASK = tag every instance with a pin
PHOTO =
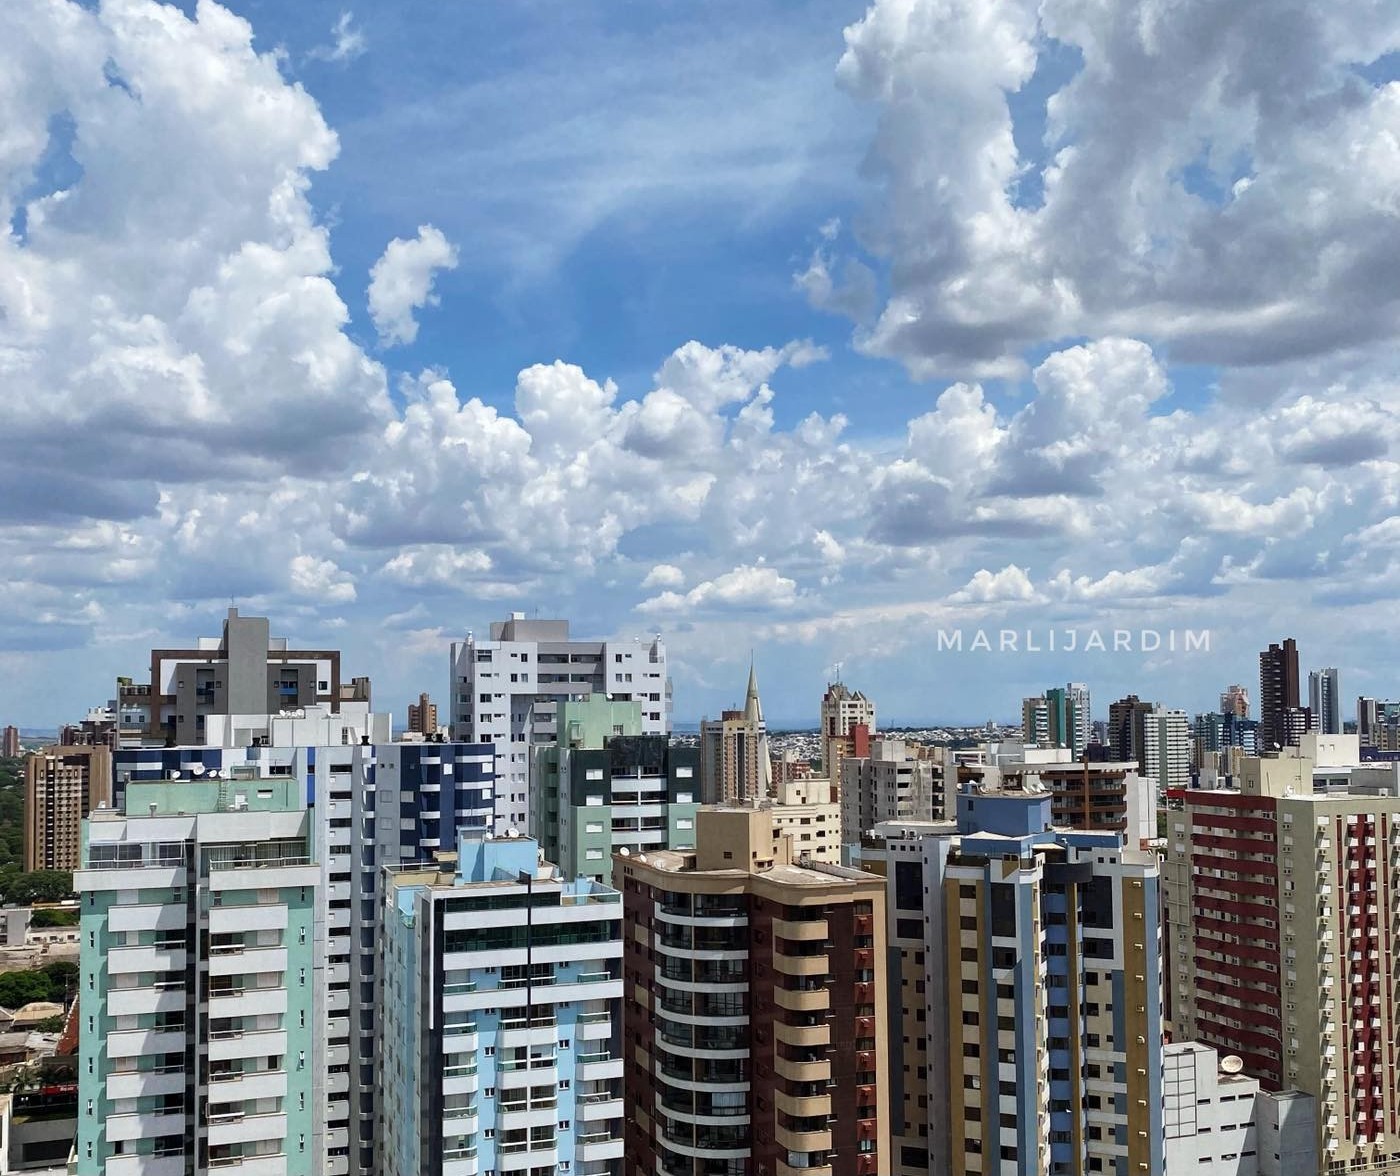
x=370, y=805
x=1325, y=701
x=755, y=1008
x=1279, y=907
x=422, y=716
x=1127, y=729
x=1219, y=1123
x=1035, y=720
x=893, y=783
x=1167, y=749
x=1278, y=692
x=1378, y=723
x=244, y=671
x=807, y=811
x=1214, y=734
x=847, y=725
x=1095, y=795
x=605, y=786
x=506, y=691
x=1032, y=974
x=1079, y=723
x=62, y=785
x=1234, y=700
x=202, y=989
x=9, y=743
x=500, y=1030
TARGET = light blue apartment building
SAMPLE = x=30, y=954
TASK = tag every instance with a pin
x=500, y=1028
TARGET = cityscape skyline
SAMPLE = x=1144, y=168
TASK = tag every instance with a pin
x=553, y=347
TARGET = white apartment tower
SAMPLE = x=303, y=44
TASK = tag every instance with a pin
x=842, y=711
x=506, y=688
x=1167, y=749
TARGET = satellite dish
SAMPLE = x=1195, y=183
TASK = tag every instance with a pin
x=214, y=773
x=1231, y=1064
x=512, y=832
x=625, y=852
x=197, y=770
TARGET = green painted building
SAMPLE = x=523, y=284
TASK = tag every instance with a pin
x=198, y=1005
x=605, y=786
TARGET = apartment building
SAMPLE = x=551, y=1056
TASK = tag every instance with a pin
x=1279, y=908
x=422, y=716
x=755, y=1008
x=500, y=1028
x=202, y=989
x=61, y=786
x=1095, y=795
x=1166, y=760
x=894, y=782
x=506, y=690
x=370, y=805
x=1030, y=992
x=243, y=671
x=847, y=724
x=605, y=786
x=735, y=763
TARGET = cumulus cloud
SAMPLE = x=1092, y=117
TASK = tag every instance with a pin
x=401, y=282
x=986, y=587
x=1222, y=180
x=664, y=576
x=748, y=588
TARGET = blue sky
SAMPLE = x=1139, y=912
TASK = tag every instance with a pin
x=812, y=329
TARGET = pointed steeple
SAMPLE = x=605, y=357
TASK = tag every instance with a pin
x=753, y=709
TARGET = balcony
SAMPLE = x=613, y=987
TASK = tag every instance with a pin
x=814, y=965
x=144, y=1165
x=144, y=1042
x=126, y=960
x=236, y=1127
x=802, y=1000
x=123, y=1128
x=817, y=1070
x=804, y=929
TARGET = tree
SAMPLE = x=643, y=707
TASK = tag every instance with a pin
x=45, y=917
x=18, y=989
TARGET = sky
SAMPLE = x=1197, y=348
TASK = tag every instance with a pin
x=814, y=333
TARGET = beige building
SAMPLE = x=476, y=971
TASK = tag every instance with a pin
x=422, y=716
x=848, y=724
x=735, y=763
x=754, y=1008
x=61, y=786
x=896, y=781
x=1280, y=909
x=805, y=811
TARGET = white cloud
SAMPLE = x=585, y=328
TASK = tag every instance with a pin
x=986, y=587
x=1222, y=180
x=401, y=281
x=320, y=580
x=748, y=588
x=347, y=42
x=664, y=576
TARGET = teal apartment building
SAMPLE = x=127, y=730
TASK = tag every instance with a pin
x=200, y=1012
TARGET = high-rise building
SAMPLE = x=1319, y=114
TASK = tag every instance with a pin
x=506, y=689
x=1280, y=902
x=1035, y=720
x=1325, y=701
x=1278, y=692
x=422, y=716
x=62, y=785
x=605, y=786
x=246, y=671
x=371, y=805
x=894, y=782
x=1094, y=795
x=1059, y=718
x=1378, y=723
x=847, y=726
x=1079, y=723
x=500, y=1032
x=1167, y=749
x=804, y=810
x=735, y=763
x=202, y=985
x=1214, y=733
x=1031, y=985
x=9, y=743
x=755, y=1008
x=1234, y=700
x=1127, y=721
